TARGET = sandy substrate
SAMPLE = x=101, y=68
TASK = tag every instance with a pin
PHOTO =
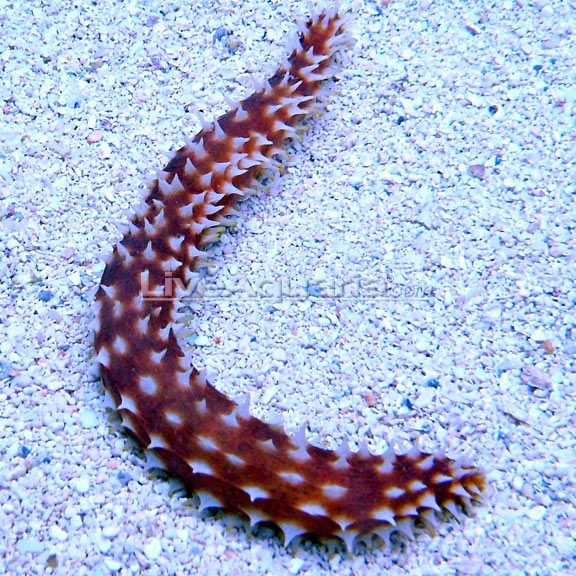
x=411, y=274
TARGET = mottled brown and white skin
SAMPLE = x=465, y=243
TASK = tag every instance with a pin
x=213, y=445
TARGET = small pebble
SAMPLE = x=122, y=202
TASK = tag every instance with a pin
x=105, y=150
x=113, y=565
x=67, y=253
x=94, y=137
x=82, y=485
x=535, y=377
x=295, y=565
x=254, y=226
x=202, y=340
x=536, y=513
x=475, y=100
x=75, y=278
x=566, y=546
x=111, y=531
x=153, y=549
x=89, y=418
x=472, y=29
x=57, y=533
x=371, y=399
x=548, y=346
x=279, y=354
x=518, y=483
x=219, y=33
x=45, y=295
x=425, y=398
x=477, y=171
x=268, y=394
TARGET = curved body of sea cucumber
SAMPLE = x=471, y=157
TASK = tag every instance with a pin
x=229, y=458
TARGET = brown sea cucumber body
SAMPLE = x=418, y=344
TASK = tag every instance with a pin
x=222, y=453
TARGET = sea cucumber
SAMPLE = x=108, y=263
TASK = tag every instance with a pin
x=213, y=445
